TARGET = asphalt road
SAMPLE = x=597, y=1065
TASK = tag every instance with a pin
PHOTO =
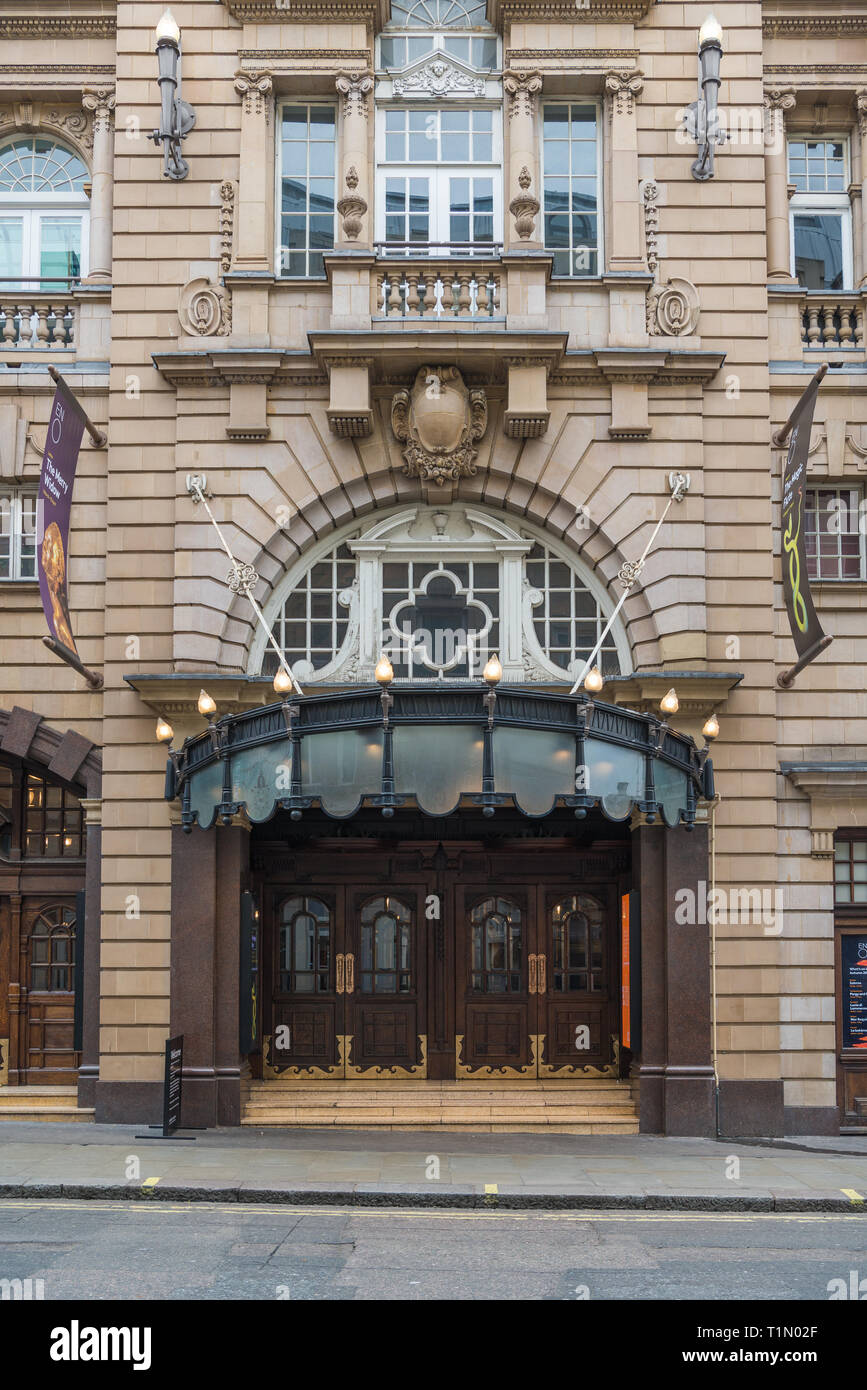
x=126, y=1250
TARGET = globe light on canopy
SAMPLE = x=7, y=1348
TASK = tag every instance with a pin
x=593, y=681
x=206, y=706
x=493, y=672
x=384, y=671
x=164, y=732
x=669, y=704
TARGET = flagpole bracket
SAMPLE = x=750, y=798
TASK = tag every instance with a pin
x=197, y=486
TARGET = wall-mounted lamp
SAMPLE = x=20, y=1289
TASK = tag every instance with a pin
x=710, y=729
x=177, y=117
x=702, y=118
x=282, y=681
x=384, y=673
x=492, y=675
x=206, y=705
x=594, y=681
x=669, y=704
x=164, y=733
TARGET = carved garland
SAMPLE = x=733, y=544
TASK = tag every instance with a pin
x=227, y=223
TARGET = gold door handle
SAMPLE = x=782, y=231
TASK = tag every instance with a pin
x=341, y=972
x=350, y=973
x=541, y=974
x=531, y=961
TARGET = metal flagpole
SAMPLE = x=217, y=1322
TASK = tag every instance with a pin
x=242, y=578
x=630, y=572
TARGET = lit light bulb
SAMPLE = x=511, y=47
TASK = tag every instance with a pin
x=710, y=31
x=206, y=705
x=282, y=681
x=165, y=732
x=168, y=30
x=493, y=672
x=384, y=671
x=669, y=704
x=711, y=727
x=593, y=681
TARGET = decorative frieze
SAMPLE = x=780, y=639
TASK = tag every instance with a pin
x=439, y=78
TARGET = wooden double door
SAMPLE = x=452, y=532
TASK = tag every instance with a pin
x=440, y=975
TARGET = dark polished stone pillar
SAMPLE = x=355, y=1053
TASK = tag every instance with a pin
x=209, y=869
x=676, y=1070
x=88, y=1071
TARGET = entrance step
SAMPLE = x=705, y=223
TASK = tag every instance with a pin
x=571, y=1107
x=42, y=1103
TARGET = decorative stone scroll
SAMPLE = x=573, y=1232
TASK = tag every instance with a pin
x=624, y=87
x=354, y=88
x=255, y=88
x=672, y=308
x=205, y=309
x=440, y=422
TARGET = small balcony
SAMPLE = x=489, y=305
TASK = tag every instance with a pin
x=807, y=324
x=832, y=323
x=37, y=316
x=438, y=284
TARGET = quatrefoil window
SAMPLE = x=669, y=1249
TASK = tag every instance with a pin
x=446, y=621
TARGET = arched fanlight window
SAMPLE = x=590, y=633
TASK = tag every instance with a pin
x=440, y=590
x=52, y=951
x=437, y=14
x=43, y=214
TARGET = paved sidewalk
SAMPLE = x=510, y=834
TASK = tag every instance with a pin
x=375, y=1168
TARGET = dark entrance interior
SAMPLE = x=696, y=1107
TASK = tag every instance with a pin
x=448, y=948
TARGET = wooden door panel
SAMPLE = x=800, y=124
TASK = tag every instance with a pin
x=51, y=1058
x=495, y=1012
x=578, y=974
x=386, y=953
x=305, y=1034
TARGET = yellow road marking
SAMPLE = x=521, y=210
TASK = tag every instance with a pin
x=853, y=1195
x=491, y=1187
x=240, y=1208
x=150, y=1183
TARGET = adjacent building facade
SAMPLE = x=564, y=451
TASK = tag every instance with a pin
x=436, y=321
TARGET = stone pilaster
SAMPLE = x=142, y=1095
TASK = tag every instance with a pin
x=353, y=199
x=861, y=106
x=625, y=249
x=777, y=103
x=522, y=91
x=255, y=201
x=101, y=102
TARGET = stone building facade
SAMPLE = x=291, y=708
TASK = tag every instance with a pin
x=439, y=293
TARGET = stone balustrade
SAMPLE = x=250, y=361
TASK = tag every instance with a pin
x=832, y=322
x=437, y=289
x=37, y=322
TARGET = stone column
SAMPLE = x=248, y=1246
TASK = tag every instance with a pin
x=101, y=101
x=522, y=90
x=90, y=929
x=861, y=104
x=353, y=200
x=624, y=239
x=777, y=103
x=255, y=202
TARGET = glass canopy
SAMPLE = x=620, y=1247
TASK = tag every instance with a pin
x=438, y=749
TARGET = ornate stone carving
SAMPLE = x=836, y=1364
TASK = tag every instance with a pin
x=439, y=421
x=205, y=309
x=522, y=88
x=351, y=206
x=439, y=78
x=623, y=88
x=524, y=207
x=101, y=101
x=776, y=103
x=255, y=89
x=672, y=308
x=354, y=87
x=861, y=108
x=227, y=223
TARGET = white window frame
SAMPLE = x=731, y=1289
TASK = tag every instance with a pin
x=12, y=526
x=309, y=102
x=33, y=208
x=438, y=175
x=576, y=275
x=832, y=203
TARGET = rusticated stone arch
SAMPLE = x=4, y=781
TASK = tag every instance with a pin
x=66, y=755
x=383, y=491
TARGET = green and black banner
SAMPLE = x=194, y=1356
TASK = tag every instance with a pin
x=810, y=640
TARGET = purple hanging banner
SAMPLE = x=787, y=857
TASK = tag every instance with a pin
x=63, y=441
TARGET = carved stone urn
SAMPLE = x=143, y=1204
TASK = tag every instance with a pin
x=525, y=207
x=351, y=207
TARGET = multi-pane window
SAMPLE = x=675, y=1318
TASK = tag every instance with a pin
x=577, y=929
x=305, y=947
x=399, y=50
x=497, y=947
x=440, y=177
x=570, y=187
x=52, y=951
x=43, y=215
x=312, y=623
x=834, y=533
x=567, y=619
x=442, y=14
x=821, y=213
x=52, y=820
x=306, y=188
x=440, y=619
x=850, y=872
x=386, y=945
x=18, y=536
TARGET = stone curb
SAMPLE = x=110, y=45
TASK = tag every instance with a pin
x=451, y=1196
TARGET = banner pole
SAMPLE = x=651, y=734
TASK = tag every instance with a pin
x=99, y=438
x=787, y=678
x=780, y=436
x=93, y=678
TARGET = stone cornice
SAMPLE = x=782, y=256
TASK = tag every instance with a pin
x=239, y=366
x=57, y=26
x=814, y=25
x=373, y=13
x=826, y=780
x=396, y=357
x=547, y=11
x=178, y=693
x=701, y=693
x=685, y=366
